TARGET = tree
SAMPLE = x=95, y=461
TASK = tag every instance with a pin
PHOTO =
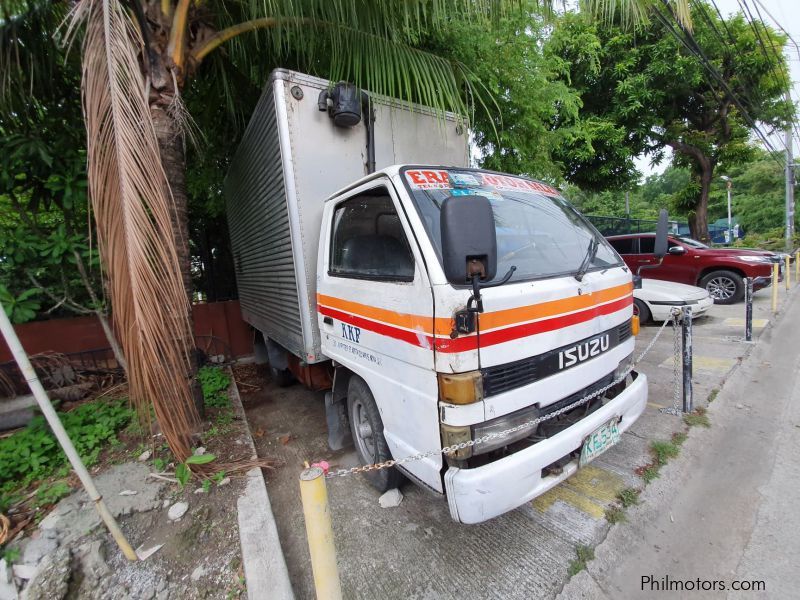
x=656, y=93
x=137, y=63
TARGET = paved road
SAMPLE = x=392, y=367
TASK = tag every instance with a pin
x=725, y=510
x=416, y=551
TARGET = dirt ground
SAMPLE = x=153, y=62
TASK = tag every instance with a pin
x=199, y=554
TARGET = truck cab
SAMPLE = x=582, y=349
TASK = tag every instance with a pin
x=390, y=319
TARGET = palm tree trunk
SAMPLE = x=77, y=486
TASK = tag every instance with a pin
x=173, y=158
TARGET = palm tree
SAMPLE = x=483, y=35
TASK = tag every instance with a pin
x=138, y=56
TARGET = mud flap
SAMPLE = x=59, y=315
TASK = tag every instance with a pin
x=338, y=427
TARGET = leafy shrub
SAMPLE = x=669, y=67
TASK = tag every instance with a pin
x=214, y=383
x=33, y=453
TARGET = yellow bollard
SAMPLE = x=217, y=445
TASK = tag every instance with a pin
x=797, y=266
x=319, y=532
x=775, y=287
x=788, y=273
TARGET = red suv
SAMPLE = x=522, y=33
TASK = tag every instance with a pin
x=719, y=270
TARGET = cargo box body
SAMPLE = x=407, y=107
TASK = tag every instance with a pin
x=291, y=158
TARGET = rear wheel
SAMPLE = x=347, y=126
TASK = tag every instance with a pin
x=725, y=287
x=640, y=310
x=367, y=429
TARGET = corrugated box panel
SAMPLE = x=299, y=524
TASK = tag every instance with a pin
x=260, y=231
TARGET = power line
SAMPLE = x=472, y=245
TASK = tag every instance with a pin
x=691, y=44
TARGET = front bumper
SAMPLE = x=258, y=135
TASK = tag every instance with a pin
x=476, y=495
x=759, y=283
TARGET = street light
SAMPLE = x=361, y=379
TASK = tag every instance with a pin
x=730, y=226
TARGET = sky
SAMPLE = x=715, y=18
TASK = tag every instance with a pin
x=787, y=14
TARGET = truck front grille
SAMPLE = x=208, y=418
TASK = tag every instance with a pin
x=503, y=378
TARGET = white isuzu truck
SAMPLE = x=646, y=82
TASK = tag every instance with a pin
x=435, y=302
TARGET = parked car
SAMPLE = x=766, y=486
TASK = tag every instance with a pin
x=656, y=298
x=721, y=271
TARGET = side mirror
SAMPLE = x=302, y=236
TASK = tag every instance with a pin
x=676, y=250
x=637, y=282
x=661, y=234
x=469, y=239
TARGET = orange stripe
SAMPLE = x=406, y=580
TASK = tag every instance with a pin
x=490, y=320
x=413, y=322
x=542, y=310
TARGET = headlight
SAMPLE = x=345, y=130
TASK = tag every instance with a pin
x=501, y=424
x=623, y=367
x=758, y=259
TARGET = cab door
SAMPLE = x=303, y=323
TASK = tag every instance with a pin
x=375, y=312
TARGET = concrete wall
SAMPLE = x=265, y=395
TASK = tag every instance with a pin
x=78, y=334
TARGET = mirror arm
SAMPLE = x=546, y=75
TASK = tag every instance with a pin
x=477, y=287
x=655, y=266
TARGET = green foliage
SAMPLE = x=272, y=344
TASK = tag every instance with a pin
x=583, y=555
x=159, y=464
x=615, y=514
x=218, y=477
x=33, y=452
x=200, y=459
x=12, y=555
x=207, y=485
x=698, y=418
x=214, y=381
x=532, y=111
x=20, y=308
x=628, y=497
x=183, y=474
x=51, y=493
x=652, y=94
x=663, y=452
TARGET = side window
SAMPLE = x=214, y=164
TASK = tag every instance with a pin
x=647, y=245
x=623, y=246
x=368, y=241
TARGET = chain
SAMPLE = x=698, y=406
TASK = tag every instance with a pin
x=676, y=365
x=501, y=434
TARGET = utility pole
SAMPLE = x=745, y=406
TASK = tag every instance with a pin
x=627, y=205
x=789, y=190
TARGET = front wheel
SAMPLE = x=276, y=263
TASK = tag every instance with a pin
x=640, y=310
x=725, y=287
x=367, y=429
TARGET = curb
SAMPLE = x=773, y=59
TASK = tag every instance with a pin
x=265, y=569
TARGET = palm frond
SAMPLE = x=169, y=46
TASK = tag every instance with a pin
x=631, y=13
x=132, y=205
x=29, y=54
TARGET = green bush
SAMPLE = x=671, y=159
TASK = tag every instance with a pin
x=214, y=383
x=33, y=453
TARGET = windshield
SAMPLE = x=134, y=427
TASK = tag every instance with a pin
x=538, y=232
x=691, y=243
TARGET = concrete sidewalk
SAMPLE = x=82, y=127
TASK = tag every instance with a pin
x=724, y=510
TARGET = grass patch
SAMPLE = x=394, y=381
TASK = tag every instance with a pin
x=615, y=514
x=628, y=497
x=679, y=437
x=649, y=473
x=583, y=555
x=214, y=382
x=713, y=395
x=697, y=418
x=663, y=452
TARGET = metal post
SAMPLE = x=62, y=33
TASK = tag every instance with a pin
x=788, y=276
x=797, y=266
x=61, y=435
x=319, y=531
x=789, y=191
x=748, y=309
x=775, y=287
x=730, y=220
x=686, y=331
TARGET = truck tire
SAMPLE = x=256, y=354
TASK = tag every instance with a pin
x=366, y=426
x=725, y=287
x=281, y=377
x=640, y=308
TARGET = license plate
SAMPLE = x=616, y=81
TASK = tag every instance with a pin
x=599, y=441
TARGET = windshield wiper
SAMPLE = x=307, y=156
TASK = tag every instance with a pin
x=591, y=252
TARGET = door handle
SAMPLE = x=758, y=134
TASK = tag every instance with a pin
x=327, y=320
